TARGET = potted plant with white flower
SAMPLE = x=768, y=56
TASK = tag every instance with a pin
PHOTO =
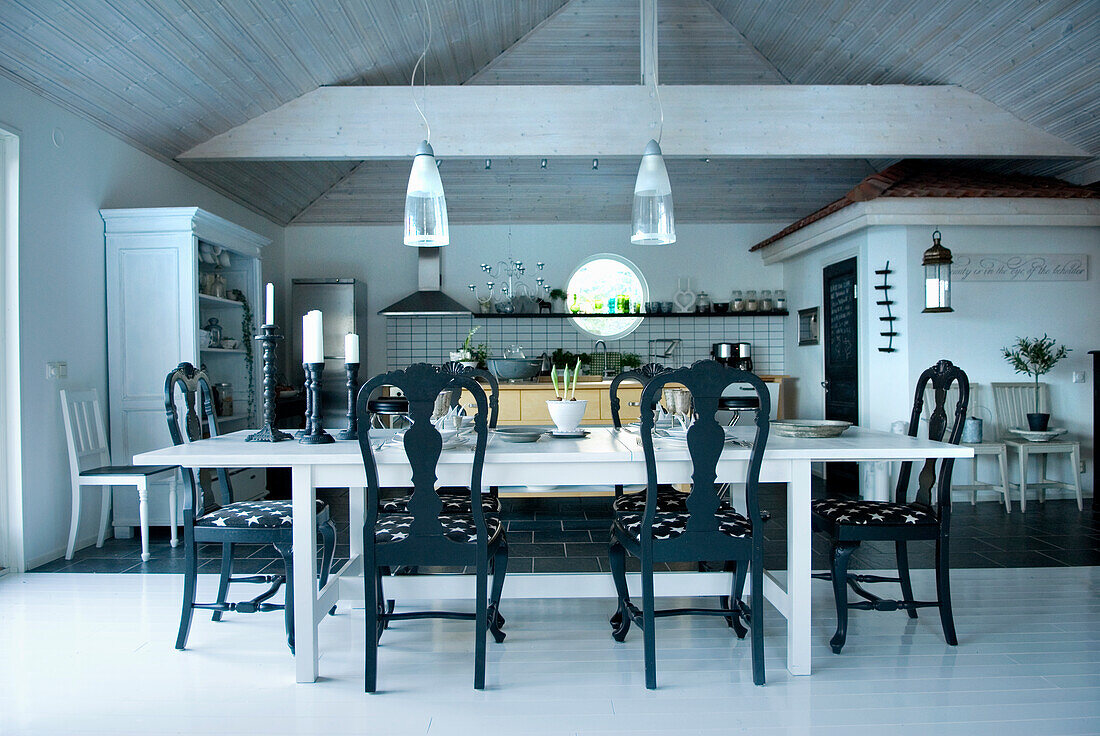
x=467, y=355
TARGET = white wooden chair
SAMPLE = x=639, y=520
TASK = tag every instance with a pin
x=89, y=465
x=1014, y=401
x=989, y=446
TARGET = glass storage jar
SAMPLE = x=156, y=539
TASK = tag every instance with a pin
x=223, y=399
x=750, y=301
x=780, y=299
x=702, y=303
x=766, y=303
x=737, y=302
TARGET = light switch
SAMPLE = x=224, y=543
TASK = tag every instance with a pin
x=57, y=370
x=1078, y=376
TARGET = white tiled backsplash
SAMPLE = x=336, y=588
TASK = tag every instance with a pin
x=430, y=339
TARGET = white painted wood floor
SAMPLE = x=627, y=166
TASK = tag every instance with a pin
x=92, y=654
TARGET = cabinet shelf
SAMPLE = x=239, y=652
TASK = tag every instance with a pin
x=219, y=301
x=651, y=315
x=237, y=351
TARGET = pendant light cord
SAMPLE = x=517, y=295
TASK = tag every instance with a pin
x=660, y=111
x=412, y=82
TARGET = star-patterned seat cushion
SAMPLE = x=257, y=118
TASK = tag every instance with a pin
x=456, y=527
x=668, y=499
x=671, y=524
x=253, y=515
x=453, y=503
x=871, y=513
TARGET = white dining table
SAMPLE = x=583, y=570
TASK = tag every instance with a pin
x=605, y=457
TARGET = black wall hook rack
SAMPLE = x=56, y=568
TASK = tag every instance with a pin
x=886, y=301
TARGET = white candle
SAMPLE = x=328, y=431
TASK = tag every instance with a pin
x=307, y=335
x=351, y=348
x=315, y=346
x=269, y=312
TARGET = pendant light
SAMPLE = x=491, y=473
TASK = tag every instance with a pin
x=937, y=277
x=652, y=222
x=425, y=205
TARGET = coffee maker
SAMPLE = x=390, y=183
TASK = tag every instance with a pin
x=734, y=354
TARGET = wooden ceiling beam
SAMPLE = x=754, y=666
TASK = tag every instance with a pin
x=782, y=121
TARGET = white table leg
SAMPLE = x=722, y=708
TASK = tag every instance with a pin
x=143, y=518
x=1021, y=454
x=172, y=520
x=304, y=524
x=357, y=516
x=799, y=538
x=1075, y=473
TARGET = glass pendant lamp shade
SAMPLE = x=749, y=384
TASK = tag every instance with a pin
x=425, y=205
x=653, y=222
x=937, y=277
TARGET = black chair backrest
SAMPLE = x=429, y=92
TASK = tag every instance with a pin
x=941, y=376
x=479, y=375
x=706, y=380
x=642, y=375
x=188, y=387
x=421, y=383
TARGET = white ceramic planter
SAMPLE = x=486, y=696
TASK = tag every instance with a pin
x=567, y=415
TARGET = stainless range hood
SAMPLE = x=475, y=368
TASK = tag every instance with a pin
x=429, y=299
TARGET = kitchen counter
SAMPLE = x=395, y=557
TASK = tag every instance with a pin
x=592, y=383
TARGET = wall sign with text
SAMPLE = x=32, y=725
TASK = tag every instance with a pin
x=1020, y=267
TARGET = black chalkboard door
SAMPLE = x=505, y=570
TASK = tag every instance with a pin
x=841, y=366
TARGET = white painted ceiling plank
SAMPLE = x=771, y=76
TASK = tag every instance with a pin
x=558, y=120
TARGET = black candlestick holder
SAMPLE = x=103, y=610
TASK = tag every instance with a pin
x=309, y=404
x=317, y=434
x=352, y=432
x=269, y=433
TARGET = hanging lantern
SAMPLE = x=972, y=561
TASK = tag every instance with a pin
x=653, y=223
x=425, y=205
x=937, y=277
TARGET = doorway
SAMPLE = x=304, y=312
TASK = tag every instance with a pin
x=841, y=384
x=10, y=442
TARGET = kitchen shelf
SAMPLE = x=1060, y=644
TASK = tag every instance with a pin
x=238, y=351
x=208, y=299
x=674, y=315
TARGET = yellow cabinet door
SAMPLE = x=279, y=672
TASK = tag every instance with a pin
x=533, y=405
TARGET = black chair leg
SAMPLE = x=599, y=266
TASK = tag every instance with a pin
x=500, y=569
x=328, y=551
x=649, y=635
x=903, y=575
x=757, y=619
x=226, y=573
x=383, y=608
x=190, y=574
x=481, y=627
x=371, y=601
x=620, y=622
x=286, y=551
x=943, y=592
x=840, y=553
x=737, y=592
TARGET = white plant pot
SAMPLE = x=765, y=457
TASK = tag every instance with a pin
x=567, y=415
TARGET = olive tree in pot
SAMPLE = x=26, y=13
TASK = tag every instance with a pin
x=1035, y=357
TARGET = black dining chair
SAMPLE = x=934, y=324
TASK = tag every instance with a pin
x=847, y=523
x=455, y=500
x=428, y=534
x=708, y=529
x=227, y=522
x=668, y=498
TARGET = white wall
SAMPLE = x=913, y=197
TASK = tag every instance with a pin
x=61, y=275
x=991, y=315
x=987, y=316
x=715, y=256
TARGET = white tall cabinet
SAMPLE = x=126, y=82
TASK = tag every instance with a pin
x=154, y=315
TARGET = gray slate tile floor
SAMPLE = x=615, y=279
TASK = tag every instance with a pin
x=570, y=535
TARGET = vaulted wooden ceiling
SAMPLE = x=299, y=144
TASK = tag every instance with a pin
x=167, y=75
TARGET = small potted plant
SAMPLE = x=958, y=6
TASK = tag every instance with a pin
x=566, y=409
x=557, y=298
x=467, y=355
x=1035, y=357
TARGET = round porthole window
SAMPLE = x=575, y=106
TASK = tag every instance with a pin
x=606, y=284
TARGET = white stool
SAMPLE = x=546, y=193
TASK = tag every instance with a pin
x=1025, y=449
